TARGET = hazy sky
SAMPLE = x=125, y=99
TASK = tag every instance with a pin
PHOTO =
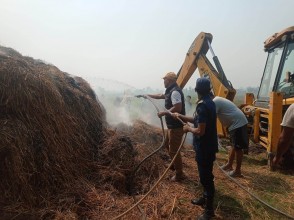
x=137, y=42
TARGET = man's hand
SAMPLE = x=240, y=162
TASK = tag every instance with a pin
x=175, y=115
x=276, y=161
x=141, y=96
x=160, y=114
x=186, y=128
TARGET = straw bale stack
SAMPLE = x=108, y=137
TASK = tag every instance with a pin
x=51, y=127
x=58, y=157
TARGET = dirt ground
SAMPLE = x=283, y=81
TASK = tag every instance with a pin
x=59, y=159
x=171, y=200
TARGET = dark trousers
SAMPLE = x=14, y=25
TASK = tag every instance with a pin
x=207, y=181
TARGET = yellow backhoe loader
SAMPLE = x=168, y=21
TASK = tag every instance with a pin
x=275, y=95
x=276, y=90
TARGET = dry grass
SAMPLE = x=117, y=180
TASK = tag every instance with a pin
x=172, y=200
x=274, y=188
x=56, y=151
x=59, y=159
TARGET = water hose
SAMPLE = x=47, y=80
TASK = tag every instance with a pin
x=154, y=186
x=163, y=139
x=252, y=195
x=129, y=184
x=154, y=152
x=169, y=166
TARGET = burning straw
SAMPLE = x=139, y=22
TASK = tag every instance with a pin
x=51, y=126
x=58, y=158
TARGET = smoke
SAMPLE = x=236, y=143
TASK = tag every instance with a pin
x=125, y=108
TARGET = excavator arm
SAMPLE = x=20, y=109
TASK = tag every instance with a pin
x=196, y=58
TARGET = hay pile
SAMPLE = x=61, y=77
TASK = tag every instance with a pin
x=146, y=139
x=56, y=152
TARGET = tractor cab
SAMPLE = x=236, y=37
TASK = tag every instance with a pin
x=278, y=73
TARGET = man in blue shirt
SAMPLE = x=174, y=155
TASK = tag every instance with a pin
x=205, y=143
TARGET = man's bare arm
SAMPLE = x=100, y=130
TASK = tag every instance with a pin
x=184, y=118
x=284, y=141
x=157, y=96
x=176, y=108
x=199, y=131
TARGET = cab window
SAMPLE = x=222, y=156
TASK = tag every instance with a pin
x=286, y=80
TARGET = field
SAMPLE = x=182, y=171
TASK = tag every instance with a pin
x=171, y=200
x=64, y=155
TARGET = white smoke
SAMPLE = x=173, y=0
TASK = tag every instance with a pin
x=126, y=108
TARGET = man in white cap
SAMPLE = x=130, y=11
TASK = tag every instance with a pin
x=174, y=103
